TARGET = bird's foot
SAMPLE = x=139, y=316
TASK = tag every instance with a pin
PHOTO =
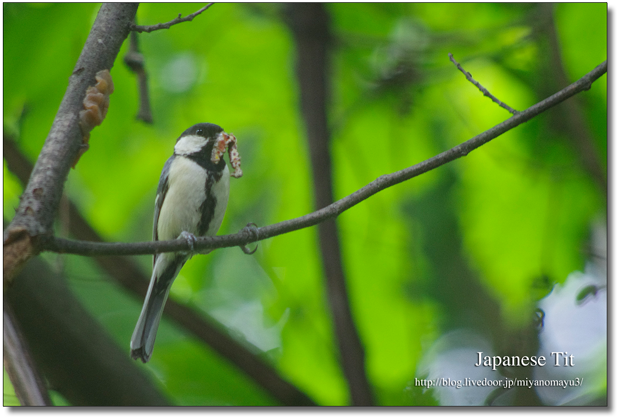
x=190, y=239
x=252, y=230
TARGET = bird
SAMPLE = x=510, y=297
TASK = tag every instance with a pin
x=191, y=200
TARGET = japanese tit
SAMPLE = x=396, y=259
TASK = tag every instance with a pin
x=191, y=200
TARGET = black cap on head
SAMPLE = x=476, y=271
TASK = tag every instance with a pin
x=207, y=130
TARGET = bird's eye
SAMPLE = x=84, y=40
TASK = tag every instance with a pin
x=199, y=132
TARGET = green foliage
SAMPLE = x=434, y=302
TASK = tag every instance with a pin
x=519, y=207
x=9, y=399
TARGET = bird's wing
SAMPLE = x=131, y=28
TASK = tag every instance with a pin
x=162, y=190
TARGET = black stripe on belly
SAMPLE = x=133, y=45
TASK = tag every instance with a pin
x=207, y=208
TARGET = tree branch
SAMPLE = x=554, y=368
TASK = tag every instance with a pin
x=39, y=202
x=245, y=236
x=481, y=88
x=167, y=25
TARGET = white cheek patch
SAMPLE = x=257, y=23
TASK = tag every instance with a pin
x=188, y=145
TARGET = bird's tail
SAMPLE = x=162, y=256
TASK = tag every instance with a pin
x=165, y=270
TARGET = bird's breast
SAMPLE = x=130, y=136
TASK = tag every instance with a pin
x=184, y=203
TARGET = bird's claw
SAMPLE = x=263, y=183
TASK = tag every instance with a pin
x=189, y=238
x=252, y=229
x=247, y=251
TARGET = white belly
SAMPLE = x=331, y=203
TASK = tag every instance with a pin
x=186, y=188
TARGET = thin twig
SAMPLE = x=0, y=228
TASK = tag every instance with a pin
x=167, y=25
x=481, y=88
x=245, y=237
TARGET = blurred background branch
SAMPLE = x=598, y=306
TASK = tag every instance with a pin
x=25, y=376
x=135, y=61
x=311, y=28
